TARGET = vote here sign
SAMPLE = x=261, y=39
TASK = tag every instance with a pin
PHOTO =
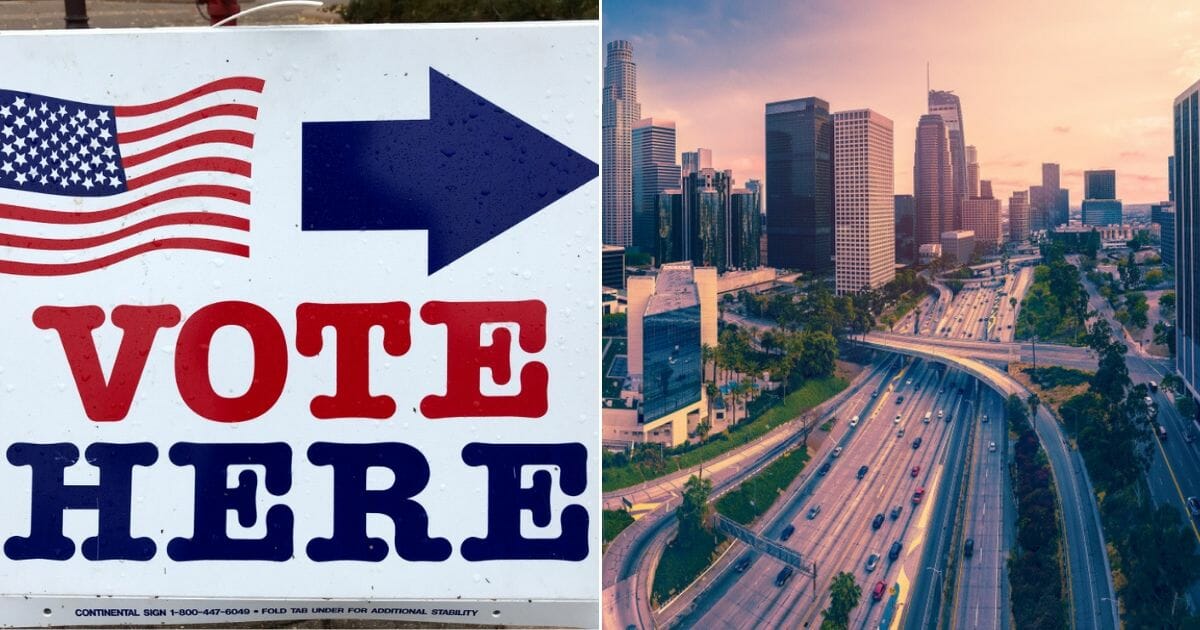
x=299, y=322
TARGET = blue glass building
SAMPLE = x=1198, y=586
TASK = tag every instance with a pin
x=671, y=372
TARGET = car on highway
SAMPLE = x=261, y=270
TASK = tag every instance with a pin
x=875, y=394
x=969, y=548
x=916, y=443
x=823, y=470
x=908, y=382
x=837, y=450
x=985, y=417
x=916, y=497
x=900, y=433
x=895, y=513
x=784, y=575
x=916, y=470
x=894, y=552
x=787, y=532
x=1162, y=432
x=813, y=512
x=897, y=420
x=1193, y=504
x=928, y=415
x=853, y=422
x=872, y=562
x=899, y=399
x=992, y=447
x=862, y=472
x=742, y=565
x=941, y=414
x=877, y=522
x=878, y=591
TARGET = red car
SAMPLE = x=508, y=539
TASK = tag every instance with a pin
x=878, y=591
x=915, y=471
x=917, y=495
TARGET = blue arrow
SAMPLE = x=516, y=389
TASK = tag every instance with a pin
x=466, y=175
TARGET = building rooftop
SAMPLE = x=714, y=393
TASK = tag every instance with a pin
x=675, y=288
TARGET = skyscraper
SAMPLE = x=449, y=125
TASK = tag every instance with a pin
x=947, y=105
x=799, y=169
x=1100, y=184
x=1018, y=216
x=863, y=202
x=745, y=227
x=933, y=180
x=620, y=110
x=972, y=172
x=985, y=188
x=1100, y=203
x=654, y=170
x=1163, y=215
x=905, y=216
x=982, y=216
x=1186, y=188
x=706, y=204
x=696, y=160
x=1046, y=202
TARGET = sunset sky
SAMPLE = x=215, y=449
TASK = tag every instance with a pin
x=1086, y=84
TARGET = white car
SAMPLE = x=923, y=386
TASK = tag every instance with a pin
x=992, y=446
x=837, y=451
x=985, y=417
x=853, y=422
x=897, y=420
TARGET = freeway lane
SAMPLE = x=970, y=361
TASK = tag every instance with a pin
x=982, y=599
x=1091, y=580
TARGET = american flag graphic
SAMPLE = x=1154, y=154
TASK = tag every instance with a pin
x=85, y=186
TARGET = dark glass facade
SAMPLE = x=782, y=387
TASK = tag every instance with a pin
x=906, y=229
x=669, y=247
x=671, y=370
x=1100, y=184
x=1186, y=192
x=799, y=173
x=745, y=229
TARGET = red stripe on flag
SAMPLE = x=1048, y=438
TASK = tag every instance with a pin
x=228, y=109
x=179, y=218
x=65, y=269
x=38, y=215
x=216, y=165
x=240, y=138
x=230, y=83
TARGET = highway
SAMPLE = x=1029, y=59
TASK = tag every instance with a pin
x=982, y=590
x=1093, y=601
x=841, y=536
x=628, y=566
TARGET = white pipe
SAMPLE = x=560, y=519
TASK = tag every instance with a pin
x=278, y=3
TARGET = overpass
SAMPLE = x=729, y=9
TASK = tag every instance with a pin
x=1093, y=599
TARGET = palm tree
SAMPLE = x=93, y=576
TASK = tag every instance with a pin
x=712, y=391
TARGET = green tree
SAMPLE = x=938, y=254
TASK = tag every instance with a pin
x=1186, y=406
x=819, y=358
x=1164, y=335
x=694, y=511
x=1166, y=305
x=844, y=594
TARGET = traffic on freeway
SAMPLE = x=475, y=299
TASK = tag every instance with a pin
x=870, y=510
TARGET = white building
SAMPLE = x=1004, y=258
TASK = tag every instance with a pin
x=863, y=206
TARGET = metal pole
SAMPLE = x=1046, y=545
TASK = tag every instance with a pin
x=76, y=13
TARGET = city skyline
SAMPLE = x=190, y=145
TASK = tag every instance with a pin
x=991, y=45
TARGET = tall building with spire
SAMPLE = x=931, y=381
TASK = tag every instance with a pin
x=864, y=221
x=933, y=180
x=947, y=105
x=799, y=169
x=654, y=171
x=620, y=110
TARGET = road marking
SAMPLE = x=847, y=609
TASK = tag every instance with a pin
x=1187, y=514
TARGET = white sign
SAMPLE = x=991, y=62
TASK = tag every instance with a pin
x=300, y=322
